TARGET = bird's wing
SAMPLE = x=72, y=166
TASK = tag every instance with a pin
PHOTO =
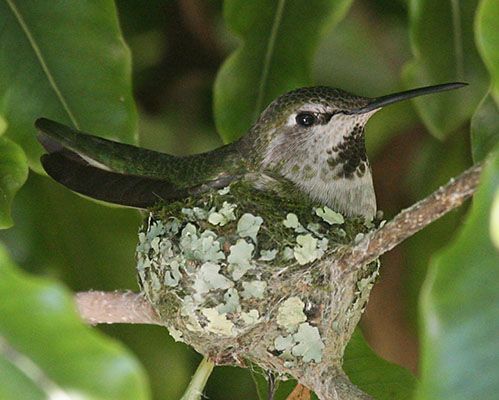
x=125, y=174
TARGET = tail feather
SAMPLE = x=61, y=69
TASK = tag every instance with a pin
x=103, y=153
x=124, y=174
x=53, y=146
x=127, y=190
x=113, y=187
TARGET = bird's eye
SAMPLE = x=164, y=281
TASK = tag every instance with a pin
x=305, y=119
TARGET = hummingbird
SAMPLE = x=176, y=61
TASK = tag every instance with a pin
x=310, y=140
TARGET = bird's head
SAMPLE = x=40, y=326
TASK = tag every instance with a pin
x=320, y=124
x=315, y=137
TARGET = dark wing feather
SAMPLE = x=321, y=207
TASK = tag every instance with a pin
x=127, y=190
x=128, y=175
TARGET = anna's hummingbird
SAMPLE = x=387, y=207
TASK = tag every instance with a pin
x=309, y=141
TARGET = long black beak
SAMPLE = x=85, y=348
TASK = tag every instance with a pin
x=383, y=101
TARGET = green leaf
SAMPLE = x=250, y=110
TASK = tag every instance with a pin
x=13, y=174
x=15, y=385
x=444, y=51
x=66, y=61
x=487, y=40
x=375, y=376
x=43, y=340
x=278, y=39
x=459, y=307
x=484, y=128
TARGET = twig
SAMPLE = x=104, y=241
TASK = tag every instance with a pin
x=97, y=307
x=411, y=220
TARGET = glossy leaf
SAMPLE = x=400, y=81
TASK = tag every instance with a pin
x=66, y=61
x=367, y=69
x=44, y=341
x=375, y=376
x=487, y=40
x=13, y=174
x=484, y=128
x=444, y=51
x=459, y=307
x=277, y=42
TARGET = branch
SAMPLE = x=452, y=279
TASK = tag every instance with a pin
x=97, y=307
x=411, y=220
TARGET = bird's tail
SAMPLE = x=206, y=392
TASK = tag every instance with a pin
x=107, y=170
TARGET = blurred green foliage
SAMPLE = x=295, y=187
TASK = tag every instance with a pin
x=460, y=315
x=272, y=58
x=44, y=340
x=177, y=50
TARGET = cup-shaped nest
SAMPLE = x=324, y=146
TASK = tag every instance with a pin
x=245, y=274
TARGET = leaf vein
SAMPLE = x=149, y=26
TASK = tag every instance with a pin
x=42, y=61
x=268, y=56
x=458, y=38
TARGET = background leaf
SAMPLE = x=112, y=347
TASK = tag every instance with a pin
x=375, y=376
x=278, y=39
x=13, y=174
x=484, y=128
x=42, y=335
x=68, y=62
x=487, y=40
x=459, y=308
x=444, y=51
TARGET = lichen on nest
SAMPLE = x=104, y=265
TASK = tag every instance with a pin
x=215, y=267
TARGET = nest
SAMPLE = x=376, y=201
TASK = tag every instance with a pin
x=244, y=274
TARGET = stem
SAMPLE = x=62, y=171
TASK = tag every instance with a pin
x=195, y=389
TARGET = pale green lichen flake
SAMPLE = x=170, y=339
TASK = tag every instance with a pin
x=314, y=228
x=330, y=216
x=175, y=334
x=307, y=250
x=309, y=345
x=240, y=257
x=224, y=215
x=288, y=253
x=195, y=214
x=204, y=247
x=290, y=314
x=267, y=255
x=218, y=323
x=284, y=343
x=253, y=289
x=188, y=310
x=208, y=278
x=249, y=225
x=231, y=304
x=251, y=317
x=291, y=221
x=224, y=191
x=172, y=276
